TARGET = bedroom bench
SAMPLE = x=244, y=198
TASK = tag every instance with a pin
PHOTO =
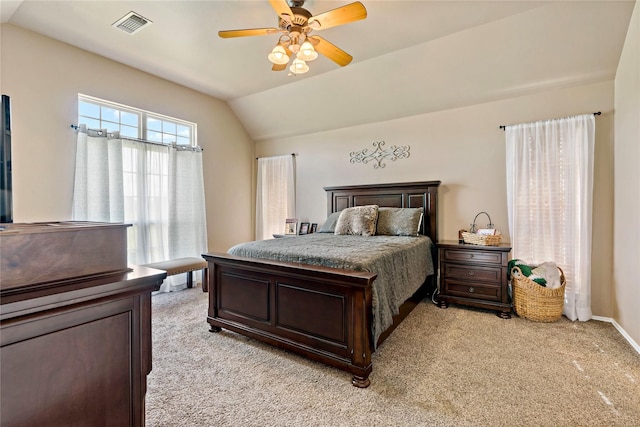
x=184, y=265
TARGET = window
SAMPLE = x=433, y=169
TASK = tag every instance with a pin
x=167, y=131
x=135, y=123
x=152, y=182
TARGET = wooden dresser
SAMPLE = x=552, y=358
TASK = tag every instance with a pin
x=474, y=275
x=75, y=350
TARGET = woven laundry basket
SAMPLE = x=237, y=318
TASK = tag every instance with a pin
x=535, y=302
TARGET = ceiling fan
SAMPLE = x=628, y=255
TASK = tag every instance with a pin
x=295, y=25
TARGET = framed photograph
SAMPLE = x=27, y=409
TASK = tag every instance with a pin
x=314, y=227
x=290, y=226
x=304, y=228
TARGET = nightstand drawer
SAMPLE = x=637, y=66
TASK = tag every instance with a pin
x=471, y=272
x=472, y=290
x=473, y=256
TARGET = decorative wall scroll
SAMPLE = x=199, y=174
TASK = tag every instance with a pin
x=392, y=153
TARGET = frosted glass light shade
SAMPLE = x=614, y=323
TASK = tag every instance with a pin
x=294, y=47
x=307, y=52
x=278, y=55
x=299, y=66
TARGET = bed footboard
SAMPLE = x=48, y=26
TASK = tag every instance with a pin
x=319, y=312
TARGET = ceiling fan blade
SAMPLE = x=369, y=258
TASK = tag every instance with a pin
x=248, y=32
x=342, y=15
x=330, y=50
x=282, y=8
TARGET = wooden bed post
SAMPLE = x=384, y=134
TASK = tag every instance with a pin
x=362, y=339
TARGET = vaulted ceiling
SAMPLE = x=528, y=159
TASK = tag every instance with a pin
x=409, y=57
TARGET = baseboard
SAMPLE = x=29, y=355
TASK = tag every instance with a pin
x=622, y=331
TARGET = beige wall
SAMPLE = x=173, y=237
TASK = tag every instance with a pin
x=43, y=78
x=465, y=149
x=626, y=282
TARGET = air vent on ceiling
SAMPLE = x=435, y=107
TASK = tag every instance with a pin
x=131, y=23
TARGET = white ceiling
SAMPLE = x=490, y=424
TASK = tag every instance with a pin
x=410, y=57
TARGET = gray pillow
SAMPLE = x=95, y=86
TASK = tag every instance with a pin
x=399, y=221
x=358, y=221
x=329, y=225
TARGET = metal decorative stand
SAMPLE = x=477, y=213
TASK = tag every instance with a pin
x=392, y=153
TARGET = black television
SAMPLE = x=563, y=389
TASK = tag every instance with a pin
x=6, y=187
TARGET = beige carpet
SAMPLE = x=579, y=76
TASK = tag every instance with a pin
x=441, y=367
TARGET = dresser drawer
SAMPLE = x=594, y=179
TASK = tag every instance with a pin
x=473, y=256
x=472, y=290
x=473, y=273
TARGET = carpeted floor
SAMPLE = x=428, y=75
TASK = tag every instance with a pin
x=453, y=367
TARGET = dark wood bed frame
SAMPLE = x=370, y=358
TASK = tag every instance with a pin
x=321, y=313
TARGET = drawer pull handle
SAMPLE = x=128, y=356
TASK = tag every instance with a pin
x=471, y=290
x=471, y=273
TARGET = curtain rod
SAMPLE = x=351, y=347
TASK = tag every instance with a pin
x=257, y=158
x=597, y=113
x=144, y=141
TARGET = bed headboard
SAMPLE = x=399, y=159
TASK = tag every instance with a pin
x=401, y=195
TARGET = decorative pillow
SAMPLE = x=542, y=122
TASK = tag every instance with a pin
x=329, y=225
x=399, y=221
x=359, y=221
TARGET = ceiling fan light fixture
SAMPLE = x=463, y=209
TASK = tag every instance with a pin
x=294, y=47
x=298, y=66
x=307, y=52
x=278, y=55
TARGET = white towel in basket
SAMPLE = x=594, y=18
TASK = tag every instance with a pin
x=549, y=271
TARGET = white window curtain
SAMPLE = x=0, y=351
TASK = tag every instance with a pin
x=146, y=194
x=275, y=195
x=549, y=197
x=158, y=189
x=187, y=212
x=98, y=193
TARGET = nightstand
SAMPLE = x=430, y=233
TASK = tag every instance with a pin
x=474, y=275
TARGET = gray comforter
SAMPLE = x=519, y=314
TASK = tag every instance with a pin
x=401, y=263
